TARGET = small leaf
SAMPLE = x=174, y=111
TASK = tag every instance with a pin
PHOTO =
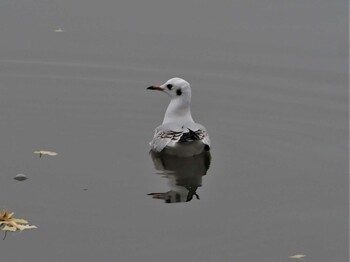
x=298, y=256
x=19, y=220
x=8, y=228
x=9, y=216
x=23, y=227
x=59, y=30
x=44, y=152
x=9, y=223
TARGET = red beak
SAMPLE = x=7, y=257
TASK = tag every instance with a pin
x=155, y=87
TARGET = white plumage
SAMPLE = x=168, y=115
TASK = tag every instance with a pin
x=179, y=134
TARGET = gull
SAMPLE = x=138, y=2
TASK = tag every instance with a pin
x=178, y=134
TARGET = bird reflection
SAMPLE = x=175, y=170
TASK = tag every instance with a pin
x=184, y=175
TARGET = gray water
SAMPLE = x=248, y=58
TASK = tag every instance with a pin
x=269, y=81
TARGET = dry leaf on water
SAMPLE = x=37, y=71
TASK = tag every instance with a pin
x=44, y=152
x=299, y=256
x=9, y=223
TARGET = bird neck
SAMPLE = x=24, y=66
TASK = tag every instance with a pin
x=178, y=111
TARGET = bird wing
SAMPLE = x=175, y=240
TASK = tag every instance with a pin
x=168, y=135
x=163, y=138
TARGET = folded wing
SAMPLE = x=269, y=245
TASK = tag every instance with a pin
x=166, y=135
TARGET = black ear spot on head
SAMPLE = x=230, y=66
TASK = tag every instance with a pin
x=178, y=92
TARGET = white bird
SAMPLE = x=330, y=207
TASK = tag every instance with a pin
x=179, y=134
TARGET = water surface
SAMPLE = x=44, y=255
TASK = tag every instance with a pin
x=270, y=83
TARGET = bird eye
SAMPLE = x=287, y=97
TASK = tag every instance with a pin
x=169, y=86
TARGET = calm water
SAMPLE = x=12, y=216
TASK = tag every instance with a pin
x=270, y=83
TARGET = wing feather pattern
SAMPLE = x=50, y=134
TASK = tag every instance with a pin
x=169, y=135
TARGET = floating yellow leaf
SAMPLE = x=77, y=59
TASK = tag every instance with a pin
x=23, y=227
x=43, y=152
x=5, y=215
x=299, y=256
x=19, y=220
x=59, y=30
x=8, y=228
x=8, y=223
